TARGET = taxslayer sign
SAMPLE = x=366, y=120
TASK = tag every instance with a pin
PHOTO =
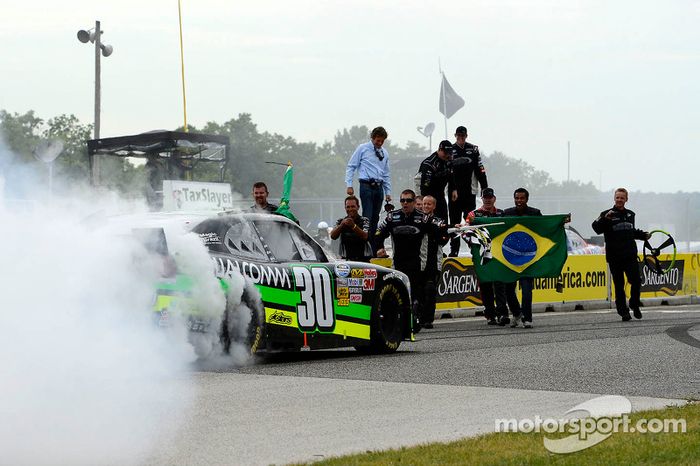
x=457, y=283
x=194, y=195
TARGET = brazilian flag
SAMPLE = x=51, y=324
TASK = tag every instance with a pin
x=522, y=247
x=283, y=208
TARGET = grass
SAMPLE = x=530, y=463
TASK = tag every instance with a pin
x=521, y=448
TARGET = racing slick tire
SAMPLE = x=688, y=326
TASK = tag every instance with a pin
x=242, y=324
x=390, y=311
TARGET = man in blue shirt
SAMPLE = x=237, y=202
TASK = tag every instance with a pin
x=371, y=161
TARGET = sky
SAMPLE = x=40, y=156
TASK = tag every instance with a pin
x=617, y=80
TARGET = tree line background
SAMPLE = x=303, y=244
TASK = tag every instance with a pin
x=319, y=171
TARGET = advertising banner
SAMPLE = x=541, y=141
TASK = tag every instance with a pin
x=584, y=278
x=680, y=280
x=457, y=286
x=195, y=196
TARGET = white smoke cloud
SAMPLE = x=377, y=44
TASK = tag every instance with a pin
x=85, y=372
x=86, y=376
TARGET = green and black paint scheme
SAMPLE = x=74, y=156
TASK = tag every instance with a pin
x=308, y=302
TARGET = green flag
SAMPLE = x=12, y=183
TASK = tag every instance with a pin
x=283, y=209
x=522, y=247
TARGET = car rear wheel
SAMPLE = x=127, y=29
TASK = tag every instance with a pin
x=387, y=321
x=242, y=325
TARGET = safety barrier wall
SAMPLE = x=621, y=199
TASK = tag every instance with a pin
x=583, y=278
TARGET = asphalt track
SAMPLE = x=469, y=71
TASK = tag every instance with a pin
x=453, y=382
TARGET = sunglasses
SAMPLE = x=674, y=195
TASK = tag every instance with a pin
x=410, y=199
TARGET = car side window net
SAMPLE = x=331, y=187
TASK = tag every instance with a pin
x=279, y=240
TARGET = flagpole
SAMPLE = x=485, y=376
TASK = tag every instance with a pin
x=443, y=92
x=182, y=66
x=444, y=101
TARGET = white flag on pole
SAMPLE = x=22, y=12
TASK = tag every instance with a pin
x=450, y=101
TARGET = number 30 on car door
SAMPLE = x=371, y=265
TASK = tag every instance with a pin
x=316, y=307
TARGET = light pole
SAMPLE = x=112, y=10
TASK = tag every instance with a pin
x=95, y=36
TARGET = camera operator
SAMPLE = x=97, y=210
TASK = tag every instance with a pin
x=353, y=231
x=435, y=175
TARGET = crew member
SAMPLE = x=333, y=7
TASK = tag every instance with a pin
x=371, y=161
x=491, y=291
x=353, y=231
x=617, y=226
x=437, y=238
x=521, y=196
x=407, y=228
x=469, y=173
x=260, y=195
x=436, y=175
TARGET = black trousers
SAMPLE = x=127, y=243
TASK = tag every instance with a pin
x=416, y=278
x=429, y=296
x=493, y=296
x=465, y=203
x=526, y=285
x=619, y=269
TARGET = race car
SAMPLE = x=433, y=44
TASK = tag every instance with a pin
x=305, y=300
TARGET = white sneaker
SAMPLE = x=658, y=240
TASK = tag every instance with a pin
x=514, y=322
x=527, y=324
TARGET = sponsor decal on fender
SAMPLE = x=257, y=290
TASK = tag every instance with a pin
x=279, y=317
x=342, y=281
x=354, y=282
x=344, y=302
x=342, y=292
x=342, y=269
x=368, y=284
x=357, y=273
x=370, y=273
x=355, y=298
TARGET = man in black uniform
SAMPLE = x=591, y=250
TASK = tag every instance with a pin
x=491, y=291
x=520, y=198
x=437, y=238
x=467, y=171
x=617, y=225
x=408, y=229
x=436, y=175
x=353, y=231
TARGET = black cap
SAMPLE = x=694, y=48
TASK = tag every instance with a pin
x=445, y=145
x=488, y=192
x=461, y=130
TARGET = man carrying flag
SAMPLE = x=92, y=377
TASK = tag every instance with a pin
x=492, y=288
x=524, y=312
